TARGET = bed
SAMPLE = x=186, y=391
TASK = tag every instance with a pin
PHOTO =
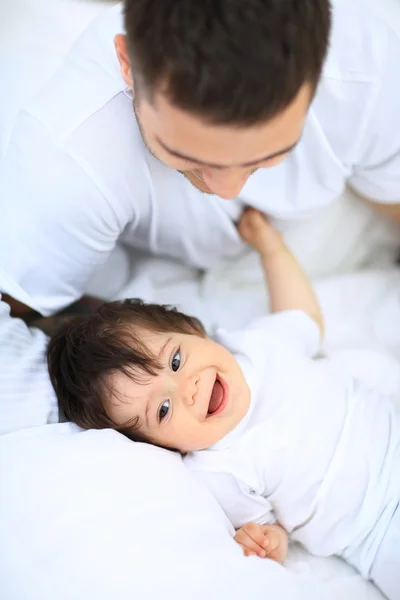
x=358, y=285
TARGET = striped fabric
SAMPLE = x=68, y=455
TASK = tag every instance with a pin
x=26, y=396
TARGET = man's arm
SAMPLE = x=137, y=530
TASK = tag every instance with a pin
x=18, y=309
x=87, y=305
x=56, y=226
x=49, y=325
x=376, y=169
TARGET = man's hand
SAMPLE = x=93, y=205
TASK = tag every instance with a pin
x=86, y=305
x=255, y=229
x=18, y=309
x=265, y=541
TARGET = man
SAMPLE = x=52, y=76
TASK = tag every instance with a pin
x=140, y=137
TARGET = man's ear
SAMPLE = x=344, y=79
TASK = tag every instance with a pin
x=121, y=48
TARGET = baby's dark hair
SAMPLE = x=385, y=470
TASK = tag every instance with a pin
x=87, y=350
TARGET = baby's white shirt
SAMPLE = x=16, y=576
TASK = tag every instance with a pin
x=318, y=450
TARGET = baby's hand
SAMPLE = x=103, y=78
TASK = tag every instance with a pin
x=255, y=229
x=265, y=541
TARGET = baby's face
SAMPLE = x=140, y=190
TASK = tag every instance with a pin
x=197, y=398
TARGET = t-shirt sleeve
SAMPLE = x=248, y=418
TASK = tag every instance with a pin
x=240, y=504
x=27, y=398
x=376, y=174
x=291, y=331
x=56, y=225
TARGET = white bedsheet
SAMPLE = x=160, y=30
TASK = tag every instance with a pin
x=361, y=309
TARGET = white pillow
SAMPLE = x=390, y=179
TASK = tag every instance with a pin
x=91, y=515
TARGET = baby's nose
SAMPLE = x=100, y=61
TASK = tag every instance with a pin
x=189, y=391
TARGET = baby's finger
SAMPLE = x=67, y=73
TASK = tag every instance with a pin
x=251, y=548
x=257, y=534
x=249, y=544
x=272, y=548
x=246, y=551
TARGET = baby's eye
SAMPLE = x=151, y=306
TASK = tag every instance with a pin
x=163, y=410
x=176, y=361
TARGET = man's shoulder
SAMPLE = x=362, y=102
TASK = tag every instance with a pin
x=353, y=73
x=358, y=43
x=87, y=80
x=78, y=141
x=82, y=115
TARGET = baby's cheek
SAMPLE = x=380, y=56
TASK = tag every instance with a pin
x=180, y=433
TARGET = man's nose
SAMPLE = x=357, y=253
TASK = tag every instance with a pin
x=226, y=183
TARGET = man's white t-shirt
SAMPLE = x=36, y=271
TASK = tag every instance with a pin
x=77, y=177
x=318, y=450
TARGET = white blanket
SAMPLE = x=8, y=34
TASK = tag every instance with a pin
x=360, y=308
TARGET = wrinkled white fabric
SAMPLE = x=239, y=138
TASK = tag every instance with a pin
x=319, y=449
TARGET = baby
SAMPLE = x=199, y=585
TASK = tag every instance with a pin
x=288, y=443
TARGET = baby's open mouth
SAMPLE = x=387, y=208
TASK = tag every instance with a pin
x=217, y=399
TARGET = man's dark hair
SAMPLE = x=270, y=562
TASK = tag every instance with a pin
x=86, y=351
x=229, y=61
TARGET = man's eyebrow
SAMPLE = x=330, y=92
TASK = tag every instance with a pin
x=218, y=166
